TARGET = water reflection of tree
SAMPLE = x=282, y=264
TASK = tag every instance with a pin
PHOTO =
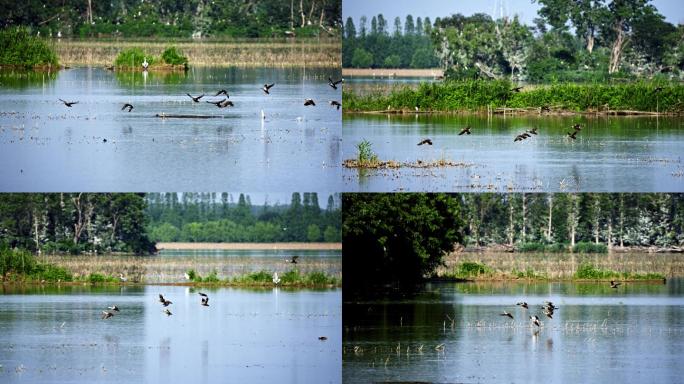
x=18, y=79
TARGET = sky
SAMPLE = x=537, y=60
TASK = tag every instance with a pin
x=282, y=198
x=673, y=10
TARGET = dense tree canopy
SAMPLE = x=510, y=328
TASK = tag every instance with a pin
x=211, y=217
x=408, y=45
x=75, y=222
x=396, y=238
x=237, y=18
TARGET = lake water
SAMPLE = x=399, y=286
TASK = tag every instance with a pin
x=56, y=335
x=631, y=334
x=45, y=146
x=615, y=154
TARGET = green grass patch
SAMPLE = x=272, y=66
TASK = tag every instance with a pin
x=479, y=94
x=541, y=247
x=134, y=57
x=529, y=273
x=589, y=272
x=469, y=269
x=98, y=278
x=586, y=247
x=20, y=49
x=51, y=273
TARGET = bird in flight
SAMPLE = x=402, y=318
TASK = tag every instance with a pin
x=335, y=103
x=68, y=103
x=333, y=84
x=613, y=284
x=113, y=308
x=522, y=304
x=106, y=315
x=506, y=314
x=532, y=131
x=308, y=102
x=535, y=320
x=205, y=299
x=222, y=103
x=465, y=130
x=127, y=105
x=164, y=301
x=573, y=135
x=222, y=92
x=425, y=141
x=293, y=260
x=267, y=87
x=195, y=99
x=167, y=312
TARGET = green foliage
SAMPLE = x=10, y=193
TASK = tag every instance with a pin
x=133, y=58
x=397, y=238
x=159, y=18
x=173, y=56
x=211, y=278
x=289, y=278
x=478, y=94
x=19, y=48
x=471, y=269
x=51, y=273
x=586, y=247
x=204, y=217
x=16, y=261
x=541, y=247
x=365, y=152
x=361, y=58
x=261, y=277
x=193, y=276
x=95, y=278
x=529, y=273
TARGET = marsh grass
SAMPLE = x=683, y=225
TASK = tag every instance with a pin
x=172, y=269
x=241, y=53
x=480, y=95
x=564, y=265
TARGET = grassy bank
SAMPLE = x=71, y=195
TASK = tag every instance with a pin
x=561, y=266
x=250, y=246
x=18, y=266
x=480, y=95
x=18, y=49
x=244, y=53
x=392, y=72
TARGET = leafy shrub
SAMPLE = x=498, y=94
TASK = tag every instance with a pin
x=16, y=261
x=133, y=57
x=173, y=56
x=94, y=278
x=317, y=278
x=211, y=278
x=290, y=277
x=19, y=48
x=586, y=247
x=471, y=269
x=366, y=154
x=531, y=247
x=49, y=272
x=255, y=278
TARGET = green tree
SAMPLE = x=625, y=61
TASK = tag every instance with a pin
x=397, y=238
x=313, y=233
x=362, y=58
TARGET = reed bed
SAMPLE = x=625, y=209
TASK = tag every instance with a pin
x=172, y=269
x=562, y=266
x=479, y=95
x=253, y=53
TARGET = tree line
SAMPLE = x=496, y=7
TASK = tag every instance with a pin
x=167, y=18
x=74, y=222
x=407, y=46
x=400, y=239
x=211, y=217
x=569, y=41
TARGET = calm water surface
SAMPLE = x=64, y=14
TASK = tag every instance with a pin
x=615, y=154
x=598, y=335
x=56, y=335
x=45, y=146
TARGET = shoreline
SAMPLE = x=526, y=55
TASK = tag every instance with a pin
x=250, y=246
x=517, y=112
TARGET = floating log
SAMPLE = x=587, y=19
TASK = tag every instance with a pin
x=173, y=116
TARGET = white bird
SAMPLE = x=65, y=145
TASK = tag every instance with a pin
x=276, y=279
x=145, y=64
x=122, y=278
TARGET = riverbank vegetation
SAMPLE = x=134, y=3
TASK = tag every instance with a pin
x=483, y=95
x=18, y=49
x=133, y=58
x=193, y=18
x=570, y=41
x=401, y=239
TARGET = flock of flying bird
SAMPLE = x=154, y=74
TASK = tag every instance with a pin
x=547, y=308
x=520, y=137
x=227, y=103
x=204, y=300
